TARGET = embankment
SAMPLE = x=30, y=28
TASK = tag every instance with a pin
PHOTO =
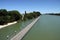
x=21, y=34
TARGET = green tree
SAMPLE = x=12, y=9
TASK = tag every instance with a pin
x=15, y=15
x=9, y=16
x=3, y=12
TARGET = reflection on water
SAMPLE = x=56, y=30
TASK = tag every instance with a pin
x=47, y=28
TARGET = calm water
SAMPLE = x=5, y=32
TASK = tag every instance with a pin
x=12, y=30
x=46, y=28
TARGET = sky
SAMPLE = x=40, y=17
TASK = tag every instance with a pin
x=43, y=6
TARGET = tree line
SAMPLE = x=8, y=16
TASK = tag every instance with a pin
x=31, y=15
x=58, y=14
x=9, y=16
x=14, y=15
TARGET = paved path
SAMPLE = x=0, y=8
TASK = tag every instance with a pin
x=21, y=34
x=8, y=24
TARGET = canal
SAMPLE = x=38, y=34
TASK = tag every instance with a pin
x=46, y=28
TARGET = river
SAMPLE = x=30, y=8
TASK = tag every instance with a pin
x=46, y=28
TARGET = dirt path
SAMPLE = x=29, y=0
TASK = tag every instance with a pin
x=2, y=26
x=21, y=34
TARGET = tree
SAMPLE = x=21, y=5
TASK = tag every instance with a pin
x=3, y=12
x=15, y=15
x=9, y=16
x=31, y=15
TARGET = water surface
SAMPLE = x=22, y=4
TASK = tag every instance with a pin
x=46, y=28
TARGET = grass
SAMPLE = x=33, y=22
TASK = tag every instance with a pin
x=8, y=32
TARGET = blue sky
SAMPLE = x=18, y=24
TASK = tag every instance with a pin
x=43, y=6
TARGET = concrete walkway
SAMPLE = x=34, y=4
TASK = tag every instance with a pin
x=21, y=34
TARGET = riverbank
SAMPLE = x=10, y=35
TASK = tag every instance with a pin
x=8, y=24
x=46, y=28
x=22, y=33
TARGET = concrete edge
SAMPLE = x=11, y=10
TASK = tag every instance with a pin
x=21, y=34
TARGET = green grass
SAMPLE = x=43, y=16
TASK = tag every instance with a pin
x=12, y=30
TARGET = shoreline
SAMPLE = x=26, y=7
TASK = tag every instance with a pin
x=8, y=24
x=23, y=32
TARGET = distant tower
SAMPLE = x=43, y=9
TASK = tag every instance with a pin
x=25, y=13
